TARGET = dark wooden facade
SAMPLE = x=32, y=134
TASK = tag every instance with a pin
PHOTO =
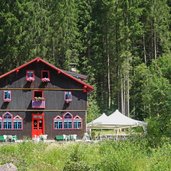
x=22, y=92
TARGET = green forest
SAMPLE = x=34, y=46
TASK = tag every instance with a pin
x=124, y=46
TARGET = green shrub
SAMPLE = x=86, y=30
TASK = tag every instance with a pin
x=77, y=166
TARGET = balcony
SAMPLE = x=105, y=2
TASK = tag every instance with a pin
x=38, y=104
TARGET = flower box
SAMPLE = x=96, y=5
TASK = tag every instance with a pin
x=45, y=79
x=38, y=104
x=39, y=98
x=30, y=79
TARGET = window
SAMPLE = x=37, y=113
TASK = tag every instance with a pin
x=58, y=122
x=18, y=123
x=45, y=75
x=77, y=122
x=38, y=95
x=67, y=96
x=7, y=96
x=30, y=76
x=67, y=121
x=0, y=123
x=7, y=121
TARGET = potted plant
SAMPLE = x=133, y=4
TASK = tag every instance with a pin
x=45, y=79
x=39, y=98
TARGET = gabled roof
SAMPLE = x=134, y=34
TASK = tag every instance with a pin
x=76, y=75
x=60, y=71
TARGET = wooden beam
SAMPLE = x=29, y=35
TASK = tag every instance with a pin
x=45, y=89
x=44, y=110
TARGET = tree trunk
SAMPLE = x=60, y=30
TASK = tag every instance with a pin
x=108, y=75
x=127, y=95
x=144, y=48
x=123, y=95
x=155, y=46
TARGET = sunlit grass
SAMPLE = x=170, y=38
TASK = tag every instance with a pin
x=102, y=156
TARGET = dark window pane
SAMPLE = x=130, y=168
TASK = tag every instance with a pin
x=7, y=125
x=37, y=94
x=35, y=124
x=7, y=95
x=30, y=74
x=15, y=125
x=40, y=124
x=19, y=125
x=77, y=124
x=45, y=74
x=58, y=124
x=65, y=124
x=68, y=95
x=70, y=124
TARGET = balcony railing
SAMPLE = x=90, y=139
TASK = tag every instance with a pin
x=38, y=104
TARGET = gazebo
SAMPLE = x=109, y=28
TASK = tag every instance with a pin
x=115, y=121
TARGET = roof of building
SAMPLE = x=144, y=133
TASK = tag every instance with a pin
x=74, y=76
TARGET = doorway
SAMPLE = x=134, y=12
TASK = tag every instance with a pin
x=37, y=124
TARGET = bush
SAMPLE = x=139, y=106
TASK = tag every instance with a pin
x=76, y=166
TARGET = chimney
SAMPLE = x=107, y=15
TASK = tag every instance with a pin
x=73, y=67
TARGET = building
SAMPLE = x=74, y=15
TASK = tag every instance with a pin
x=38, y=98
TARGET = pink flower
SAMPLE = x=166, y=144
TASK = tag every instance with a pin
x=30, y=79
x=45, y=79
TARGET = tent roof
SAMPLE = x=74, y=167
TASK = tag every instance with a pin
x=98, y=120
x=117, y=120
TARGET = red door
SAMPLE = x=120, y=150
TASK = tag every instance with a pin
x=37, y=124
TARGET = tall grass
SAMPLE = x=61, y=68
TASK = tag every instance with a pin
x=103, y=156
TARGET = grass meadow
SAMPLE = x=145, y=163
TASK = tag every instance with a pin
x=130, y=155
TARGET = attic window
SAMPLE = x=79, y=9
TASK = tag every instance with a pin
x=7, y=96
x=67, y=96
x=30, y=76
x=45, y=76
x=38, y=95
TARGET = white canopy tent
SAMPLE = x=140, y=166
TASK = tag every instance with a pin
x=95, y=123
x=115, y=120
